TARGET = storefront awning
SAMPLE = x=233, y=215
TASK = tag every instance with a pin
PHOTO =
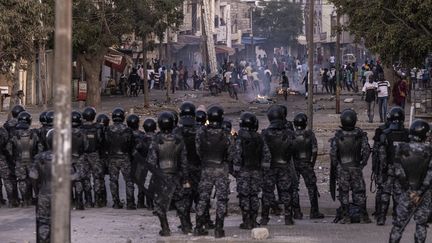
x=116, y=60
x=220, y=49
x=256, y=40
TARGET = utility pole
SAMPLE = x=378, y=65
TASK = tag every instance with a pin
x=61, y=180
x=310, y=63
x=338, y=61
x=168, y=67
x=208, y=22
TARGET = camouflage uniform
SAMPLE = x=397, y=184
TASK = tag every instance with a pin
x=138, y=137
x=42, y=132
x=168, y=154
x=251, y=158
x=120, y=143
x=81, y=183
x=349, y=153
x=7, y=170
x=94, y=135
x=376, y=167
x=386, y=154
x=23, y=146
x=214, y=148
x=279, y=140
x=305, y=153
x=140, y=158
x=41, y=173
x=411, y=173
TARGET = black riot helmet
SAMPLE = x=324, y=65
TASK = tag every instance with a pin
x=396, y=118
x=227, y=125
x=16, y=110
x=201, y=117
x=215, y=115
x=149, y=125
x=50, y=139
x=25, y=117
x=103, y=119
x=187, y=109
x=166, y=121
x=50, y=118
x=175, y=117
x=275, y=113
x=248, y=121
x=76, y=119
x=348, y=119
x=419, y=130
x=300, y=121
x=133, y=121
x=43, y=118
x=118, y=115
x=89, y=114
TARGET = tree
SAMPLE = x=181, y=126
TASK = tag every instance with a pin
x=20, y=27
x=398, y=30
x=153, y=18
x=97, y=26
x=280, y=22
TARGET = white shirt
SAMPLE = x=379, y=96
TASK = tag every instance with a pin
x=368, y=86
x=367, y=74
x=383, y=87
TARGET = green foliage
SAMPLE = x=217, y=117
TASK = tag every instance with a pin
x=280, y=22
x=22, y=23
x=398, y=30
x=98, y=25
x=156, y=16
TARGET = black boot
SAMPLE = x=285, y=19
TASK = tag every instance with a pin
x=297, y=213
x=276, y=210
x=364, y=219
x=246, y=224
x=288, y=216
x=140, y=203
x=199, y=228
x=117, y=204
x=345, y=215
x=253, y=220
x=89, y=199
x=381, y=217
x=186, y=225
x=265, y=211
x=219, y=231
x=315, y=213
x=165, y=231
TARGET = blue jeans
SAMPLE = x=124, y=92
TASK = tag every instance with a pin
x=382, y=104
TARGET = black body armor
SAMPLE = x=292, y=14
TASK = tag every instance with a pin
x=279, y=143
x=414, y=159
x=93, y=134
x=25, y=142
x=119, y=138
x=390, y=138
x=302, y=146
x=77, y=142
x=188, y=134
x=349, y=144
x=252, y=146
x=214, y=146
x=169, y=148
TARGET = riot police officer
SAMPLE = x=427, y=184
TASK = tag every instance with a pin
x=93, y=134
x=132, y=122
x=81, y=184
x=167, y=154
x=103, y=121
x=213, y=148
x=411, y=173
x=349, y=153
x=41, y=173
x=396, y=132
x=188, y=131
x=279, y=140
x=11, y=123
x=251, y=158
x=149, y=127
x=43, y=130
x=119, y=140
x=24, y=145
x=304, y=156
x=201, y=118
x=7, y=172
x=288, y=124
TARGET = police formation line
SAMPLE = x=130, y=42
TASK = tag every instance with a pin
x=178, y=166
